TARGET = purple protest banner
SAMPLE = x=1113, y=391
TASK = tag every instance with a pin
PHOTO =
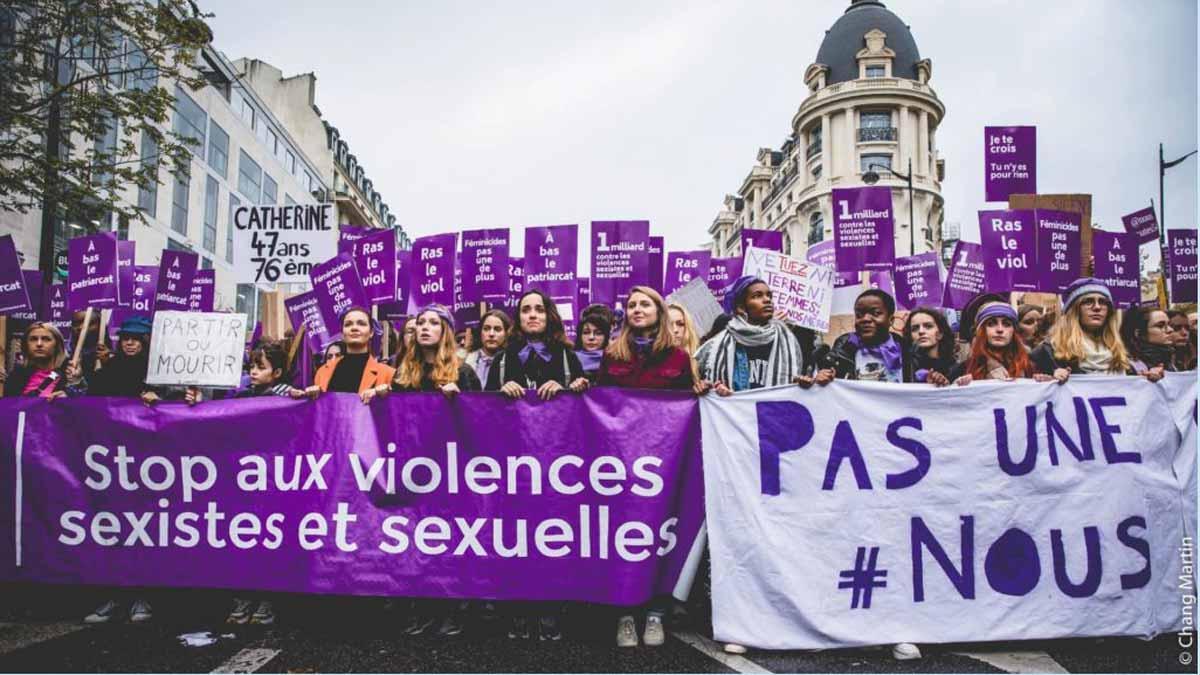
x=413, y=496
x=583, y=292
x=655, y=264
x=375, y=260
x=882, y=279
x=823, y=253
x=1058, y=242
x=336, y=285
x=966, y=276
x=145, y=287
x=57, y=312
x=348, y=234
x=772, y=240
x=1181, y=254
x=485, y=265
x=431, y=272
x=863, y=229
x=303, y=310
x=398, y=308
x=1009, y=241
x=14, y=297
x=516, y=285
x=1009, y=162
x=620, y=259
x=204, y=286
x=125, y=256
x=722, y=272
x=92, y=271
x=176, y=272
x=1142, y=224
x=918, y=281
x=1117, y=264
x=682, y=266
x=551, y=254
x=35, y=289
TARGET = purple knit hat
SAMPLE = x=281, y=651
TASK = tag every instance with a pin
x=995, y=309
x=737, y=290
x=441, y=311
x=1081, y=287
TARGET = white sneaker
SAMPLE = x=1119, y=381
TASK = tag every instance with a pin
x=626, y=632
x=906, y=651
x=734, y=648
x=655, y=634
x=140, y=612
x=104, y=613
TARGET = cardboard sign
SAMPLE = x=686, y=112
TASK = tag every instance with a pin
x=1117, y=264
x=281, y=244
x=1142, y=224
x=1181, y=252
x=683, y=266
x=485, y=265
x=700, y=303
x=1009, y=240
x=203, y=349
x=917, y=281
x=802, y=292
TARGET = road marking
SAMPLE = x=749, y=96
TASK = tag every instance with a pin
x=1018, y=662
x=247, y=661
x=14, y=636
x=717, y=653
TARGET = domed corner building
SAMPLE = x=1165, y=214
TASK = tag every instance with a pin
x=869, y=106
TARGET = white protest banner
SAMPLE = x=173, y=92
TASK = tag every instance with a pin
x=699, y=301
x=280, y=244
x=204, y=349
x=998, y=511
x=802, y=291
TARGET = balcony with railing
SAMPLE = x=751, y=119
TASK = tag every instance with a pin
x=814, y=149
x=876, y=134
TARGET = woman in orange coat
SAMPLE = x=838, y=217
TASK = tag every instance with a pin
x=357, y=371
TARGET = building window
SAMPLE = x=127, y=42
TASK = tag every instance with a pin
x=816, y=228
x=287, y=200
x=218, y=149
x=148, y=194
x=105, y=156
x=814, y=142
x=173, y=245
x=179, y=202
x=247, y=301
x=289, y=163
x=190, y=119
x=249, y=178
x=211, y=194
x=875, y=120
x=816, y=172
x=205, y=264
x=876, y=71
x=307, y=181
x=879, y=162
x=234, y=203
x=142, y=75
x=270, y=190
x=273, y=142
x=243, y=108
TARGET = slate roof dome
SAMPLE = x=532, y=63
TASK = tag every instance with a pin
x=845, y=38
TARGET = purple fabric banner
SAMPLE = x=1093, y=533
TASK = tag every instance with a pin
x=1181, y=253
x=145, y=287
x=620, y=259
x=1009, y=240
x=35, y=289
x=125, y=262
x=965, y=278
x=92, y=271
x=1009, y=162
x=14, y=297
x=176, y=272
x=918, y=281
x=412, y=496
x=823, y=253
x=772, y=240
x=863, y=228
x=375, y=260
x=551, y=255
x=682, y=266
x=398, y=308
x=485, y=265
x=1117, y=264
x=336, y=285
x=655, y=264
x=722, y=272
x=1142, y=224
x=304, y=310
x=204, y=287
x=1058, y=243
x=431, y=272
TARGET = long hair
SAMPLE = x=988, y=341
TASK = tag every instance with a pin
x=59, y=356
x=1067, y=336
x=1013, y=357
x=505, y=321
x=945, y=343
x=555, y=333
x=622, y=349
x=691, y=341
x=445, y=361
x=596, y=320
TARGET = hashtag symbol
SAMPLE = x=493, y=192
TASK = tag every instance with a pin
x=863, y=580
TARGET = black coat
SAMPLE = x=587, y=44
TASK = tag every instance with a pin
x=123, y=376
x=563, y=367
x=19, y=377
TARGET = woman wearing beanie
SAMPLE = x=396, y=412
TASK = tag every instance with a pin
x=1084, y=339
x=1149, y=339
x=997, y=352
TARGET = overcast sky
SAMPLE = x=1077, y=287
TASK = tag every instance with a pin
x=469, y=114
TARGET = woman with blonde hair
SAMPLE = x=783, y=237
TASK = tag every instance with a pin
x=683, y=329
x=1086, y=337
x=43, y=373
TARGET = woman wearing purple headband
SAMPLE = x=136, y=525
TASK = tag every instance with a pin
x=997, y=352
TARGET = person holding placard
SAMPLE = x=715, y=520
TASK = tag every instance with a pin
x=871, y=352
x=997, y=352
x=493, y=333
x=1149, y=339
x=125, y=373
x=43, y=373
x=1085, y=339
x=432, y=364
x=538, y=355
x=357, y=371
x=928, y=347
x=591, y=339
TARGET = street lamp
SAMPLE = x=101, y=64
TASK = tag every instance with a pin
x=871, y=178
x=1162, y=204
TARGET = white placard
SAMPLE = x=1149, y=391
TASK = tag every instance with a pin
x=802, y=291
x=280, y=244
x=204, y=349
x=698, y=300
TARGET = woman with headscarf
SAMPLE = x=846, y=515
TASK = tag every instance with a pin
x=1085, y=338
x=493, y=333
x=1149, y=339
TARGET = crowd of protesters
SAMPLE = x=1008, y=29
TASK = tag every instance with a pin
x=646, y=344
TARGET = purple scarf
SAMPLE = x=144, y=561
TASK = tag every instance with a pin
x=642, y=345
x=590, y=359
x=888, y=351
x=534, y=347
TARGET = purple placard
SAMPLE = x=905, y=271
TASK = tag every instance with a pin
x=465, y=312
x=1142, y=224
x=204, y=286
x=682, y=266
x=772, y=240
x=1009, y=162
x=304, y=310
x=1058, y=242
x=1009, y=240
x=918, y=282
x=822, y=253
x=176, y=272
x=863, y=228
x=431, y=272
x=145, y=286
x=722, y=272
x=620, y=259
x=125, y=256
x=966, y=276
x=485, y=265
x=57, y=312
x=1181, y=253
x=655, y=264
x=516, y=285
x=34, y=287
x=347, y=234
x=1117, y=264
x=583, y=292
x=882, y=279
x=551, y=254
x=398, y=308
x=92, y=271
x=337, y=287
x=375, y=260
x=14, y=297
